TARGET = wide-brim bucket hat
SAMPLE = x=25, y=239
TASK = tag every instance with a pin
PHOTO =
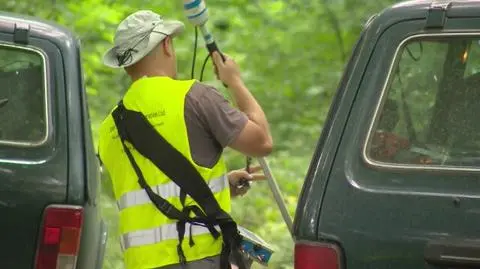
x=137, y=35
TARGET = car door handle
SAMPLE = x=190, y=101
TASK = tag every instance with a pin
x=3, y=102
x=453, y=252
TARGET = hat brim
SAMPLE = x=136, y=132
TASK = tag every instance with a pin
x=171, y=28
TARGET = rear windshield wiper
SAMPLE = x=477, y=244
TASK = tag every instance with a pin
x=3, y=102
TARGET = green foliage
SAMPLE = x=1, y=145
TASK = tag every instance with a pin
x=291, y=52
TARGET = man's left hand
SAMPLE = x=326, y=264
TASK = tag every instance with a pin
x=235, y=176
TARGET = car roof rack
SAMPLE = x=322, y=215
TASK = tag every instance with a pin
x=437, y=13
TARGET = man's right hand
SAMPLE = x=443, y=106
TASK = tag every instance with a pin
x=228, y=72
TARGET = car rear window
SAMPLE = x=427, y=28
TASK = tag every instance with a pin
x=23, y=98
x=429, y=111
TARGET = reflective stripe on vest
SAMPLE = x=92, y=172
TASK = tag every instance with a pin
x=156, y=235
x=166, y=191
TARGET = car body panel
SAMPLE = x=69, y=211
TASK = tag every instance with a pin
x=383, y=218
x=65, y=169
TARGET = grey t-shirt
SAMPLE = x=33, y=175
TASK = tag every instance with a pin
x=212, y=123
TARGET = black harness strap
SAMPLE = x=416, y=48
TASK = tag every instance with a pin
x=163, y=205
x=133, y=127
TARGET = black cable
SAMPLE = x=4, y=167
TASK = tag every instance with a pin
x=203, y=66
x=194, y=52
x=195, y=56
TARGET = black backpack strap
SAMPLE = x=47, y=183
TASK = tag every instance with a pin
x=135, y=128
x=163, y=205
x=148, y=142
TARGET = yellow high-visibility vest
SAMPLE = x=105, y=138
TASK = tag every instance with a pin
x=148, y=238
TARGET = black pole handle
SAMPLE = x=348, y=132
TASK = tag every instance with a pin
x=213, y=47
x=243, y=182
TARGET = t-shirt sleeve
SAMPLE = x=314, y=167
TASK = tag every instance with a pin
x=220, y=118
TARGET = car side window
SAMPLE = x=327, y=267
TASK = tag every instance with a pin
x=23, y=98
x=430, y=105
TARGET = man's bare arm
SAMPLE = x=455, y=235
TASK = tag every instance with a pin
x=255, y=139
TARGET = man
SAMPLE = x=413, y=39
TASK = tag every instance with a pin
x=197, y=121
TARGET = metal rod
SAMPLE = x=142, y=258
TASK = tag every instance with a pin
x=276, y=194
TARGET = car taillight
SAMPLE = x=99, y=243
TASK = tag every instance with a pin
x=316, y=256
x=60, y=237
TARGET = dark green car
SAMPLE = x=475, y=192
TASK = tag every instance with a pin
x=395, y=180
x=49, y=173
